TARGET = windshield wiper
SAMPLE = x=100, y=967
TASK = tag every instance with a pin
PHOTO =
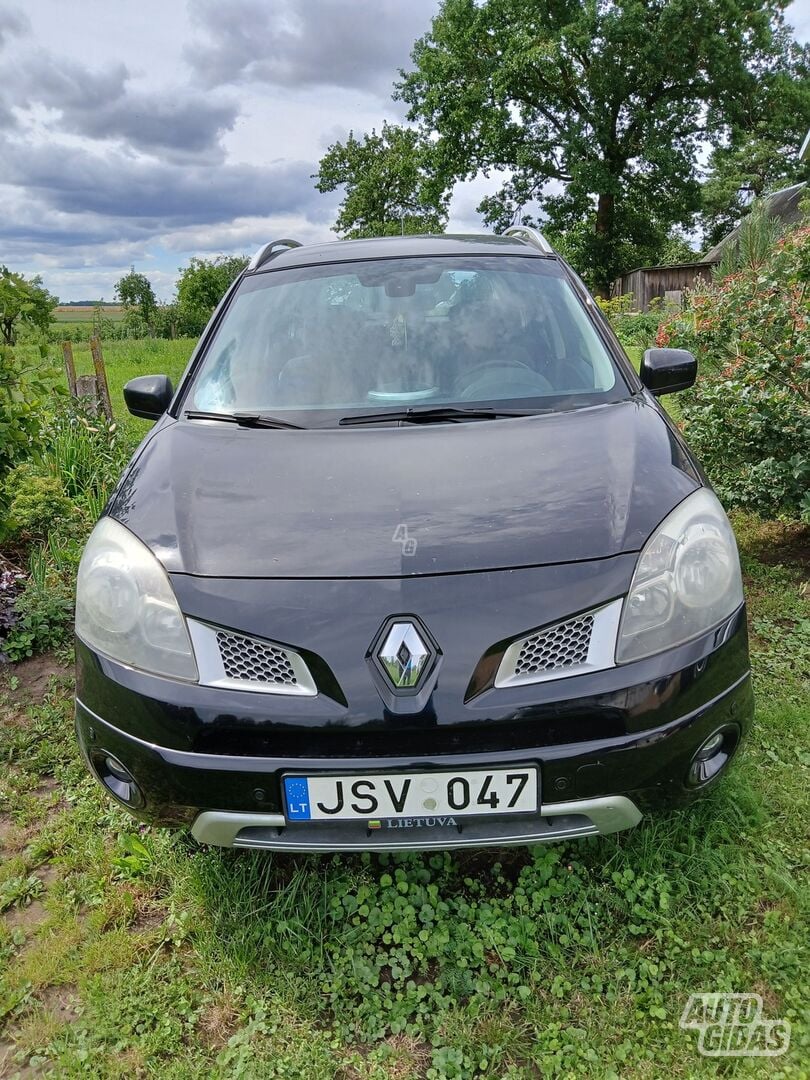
x=433, y=416
x=244, y=419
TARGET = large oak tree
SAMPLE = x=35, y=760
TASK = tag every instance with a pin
x=596, y=111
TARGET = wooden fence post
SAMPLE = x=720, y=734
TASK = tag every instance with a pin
x=87, y=391
x=70, y=367
x=101, y=377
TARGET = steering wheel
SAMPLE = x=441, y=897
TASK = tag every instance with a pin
x=496, y=372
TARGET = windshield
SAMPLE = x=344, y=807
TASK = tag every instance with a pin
x=406, y=333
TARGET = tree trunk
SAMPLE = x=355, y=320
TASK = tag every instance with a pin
x=604, y=214
x=605, y=207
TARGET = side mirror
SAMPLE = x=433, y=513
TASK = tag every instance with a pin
x=149, y=396
x=665, y=371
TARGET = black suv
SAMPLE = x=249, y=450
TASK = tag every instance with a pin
x=411, y=559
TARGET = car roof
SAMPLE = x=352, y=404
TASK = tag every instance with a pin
x=400, y=246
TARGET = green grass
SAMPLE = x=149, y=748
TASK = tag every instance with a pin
x=131, y=952
x=634, y=352
x=124, y=360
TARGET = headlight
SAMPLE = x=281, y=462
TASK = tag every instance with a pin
x=687, y=580
x=125, y=606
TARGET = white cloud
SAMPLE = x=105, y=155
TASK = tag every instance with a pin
x=361, y=44
x=244, y=235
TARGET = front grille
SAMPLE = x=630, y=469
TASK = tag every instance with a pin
x=237, y=661
x=581, y=644
x=248, y=660
x=563, y=646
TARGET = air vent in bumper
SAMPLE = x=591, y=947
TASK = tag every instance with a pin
x=585, y=642
x=239, y=661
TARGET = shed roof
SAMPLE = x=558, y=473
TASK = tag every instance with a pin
x=666, y=266
x=782, y=204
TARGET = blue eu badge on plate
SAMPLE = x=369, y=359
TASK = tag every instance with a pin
x=296, y=790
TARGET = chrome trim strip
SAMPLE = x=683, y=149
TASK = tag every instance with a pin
x=601, y=649
x=212, y=673
x=606, y=814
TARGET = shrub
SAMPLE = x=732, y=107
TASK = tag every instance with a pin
x=37, y=505
x=748, y=417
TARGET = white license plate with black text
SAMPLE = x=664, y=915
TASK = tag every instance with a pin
x=463, y=793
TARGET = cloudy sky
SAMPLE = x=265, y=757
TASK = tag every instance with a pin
x=149, y=132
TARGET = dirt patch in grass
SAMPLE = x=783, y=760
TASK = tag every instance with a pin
x=406, y=1058
x=29, y=681
x=777, y=543
x=218, y=1022
x=24, y=918
x=15, y=838
x=60, y=1002
x=27, y=916
x=7, y=1066
x=148, y=919
x=48, y=874
x=785, y=544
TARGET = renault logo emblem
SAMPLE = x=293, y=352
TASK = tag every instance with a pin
x=404, y=655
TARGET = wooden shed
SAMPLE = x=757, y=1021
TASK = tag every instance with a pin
x=668, y=282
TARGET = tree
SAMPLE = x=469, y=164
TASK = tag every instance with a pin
x=390, y=184
x=201, y=286
x=596, y=110
x=136, y=294
x=762, y=152
x=23, y=301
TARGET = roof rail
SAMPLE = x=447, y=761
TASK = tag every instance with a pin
x=264, y=254
x=530, y=236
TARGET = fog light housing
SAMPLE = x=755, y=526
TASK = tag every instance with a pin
x=712, y=756
x=117, y=779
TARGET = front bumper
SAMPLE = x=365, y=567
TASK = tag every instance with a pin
x=589, y=786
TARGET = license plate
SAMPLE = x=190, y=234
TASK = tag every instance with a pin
x=464, y=793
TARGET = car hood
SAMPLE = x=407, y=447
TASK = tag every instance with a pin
x=218, y=500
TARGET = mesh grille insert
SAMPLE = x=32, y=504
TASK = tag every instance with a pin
x=562, y=646
x=248, y=660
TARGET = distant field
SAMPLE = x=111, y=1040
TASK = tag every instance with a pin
x=84, y=313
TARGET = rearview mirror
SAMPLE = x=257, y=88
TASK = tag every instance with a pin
x=665, y=371
x=149, y=396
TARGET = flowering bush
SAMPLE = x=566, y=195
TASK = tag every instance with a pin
x=748, y=417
